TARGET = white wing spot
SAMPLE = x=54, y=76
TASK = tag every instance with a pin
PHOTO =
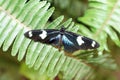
x=79, y=40
x=30, y=34
x=93, y=44
x=43, y=35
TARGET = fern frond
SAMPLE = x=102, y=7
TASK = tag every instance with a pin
x=17, y=17
x=103, y=18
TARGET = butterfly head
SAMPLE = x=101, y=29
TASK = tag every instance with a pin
x=63, y=29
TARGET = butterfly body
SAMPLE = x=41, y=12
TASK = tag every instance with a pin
x=70, y=41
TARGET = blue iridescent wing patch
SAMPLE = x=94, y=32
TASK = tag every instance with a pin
x=69, y=46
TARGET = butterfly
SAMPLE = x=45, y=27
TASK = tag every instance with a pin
x=62, y=39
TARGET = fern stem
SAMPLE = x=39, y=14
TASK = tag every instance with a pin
x=107, y=19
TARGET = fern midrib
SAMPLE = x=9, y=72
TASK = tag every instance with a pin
x=107, y=19
x=13, y=18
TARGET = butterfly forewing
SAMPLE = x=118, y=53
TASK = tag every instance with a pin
x=43, y=36
x=73, y=42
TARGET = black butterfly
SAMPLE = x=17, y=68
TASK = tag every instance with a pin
x=70, y=41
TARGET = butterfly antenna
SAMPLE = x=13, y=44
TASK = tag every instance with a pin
x=63, y=27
